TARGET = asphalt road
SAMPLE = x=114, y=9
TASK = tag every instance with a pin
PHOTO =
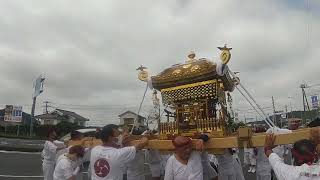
x=20, y=164
x=29, y=164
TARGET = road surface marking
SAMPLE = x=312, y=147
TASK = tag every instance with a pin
x=19, y=152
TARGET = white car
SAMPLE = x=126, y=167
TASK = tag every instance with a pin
x=86, y=133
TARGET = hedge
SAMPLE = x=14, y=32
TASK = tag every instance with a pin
x=40, y=131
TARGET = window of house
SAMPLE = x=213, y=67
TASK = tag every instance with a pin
x=48, y=122
x=128, y=120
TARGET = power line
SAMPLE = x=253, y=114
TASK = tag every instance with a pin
x=93, y=106
x=250, y=109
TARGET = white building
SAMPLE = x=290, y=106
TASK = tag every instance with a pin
x=130, y=118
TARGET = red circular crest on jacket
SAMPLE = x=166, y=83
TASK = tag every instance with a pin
x=101, y=167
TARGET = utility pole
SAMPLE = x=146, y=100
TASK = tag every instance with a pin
x=245, y=120
x=286, y=108
x=304, y=97
x=274, y=111
x=32, y=114
x=290, y=104
x=38, y=89
x=304, y=101
x=46, y=106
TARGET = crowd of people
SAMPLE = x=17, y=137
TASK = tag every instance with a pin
x=117, y=159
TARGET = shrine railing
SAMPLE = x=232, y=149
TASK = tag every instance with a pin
x=206, y=125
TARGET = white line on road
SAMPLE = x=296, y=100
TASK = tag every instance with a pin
x=12, y=176
x=19, y=152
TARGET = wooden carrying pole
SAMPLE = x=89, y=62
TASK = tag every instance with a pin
x=217, y=145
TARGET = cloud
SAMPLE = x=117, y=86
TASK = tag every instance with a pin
x=88, y=51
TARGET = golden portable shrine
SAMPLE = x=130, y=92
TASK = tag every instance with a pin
x=198, y=93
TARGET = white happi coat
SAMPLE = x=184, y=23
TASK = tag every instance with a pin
x=48, y=161
x=249, y=157
x=106, y=163
x=154, y=160
x=263, y=166
x=163, y=162
x=208, y=171
x=288, y=172
x=64, y=168
x=229, y=168
x=178, y=171
x=135, y=168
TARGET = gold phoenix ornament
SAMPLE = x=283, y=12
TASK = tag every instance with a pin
x=143, y=73
x=225, y=54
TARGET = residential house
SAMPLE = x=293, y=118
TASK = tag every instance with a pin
x=60, y=115
x=130, y=118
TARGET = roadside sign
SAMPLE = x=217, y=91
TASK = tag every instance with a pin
x=13, y=113
x=315, y=102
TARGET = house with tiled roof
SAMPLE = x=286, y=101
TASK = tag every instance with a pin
x=60, y=115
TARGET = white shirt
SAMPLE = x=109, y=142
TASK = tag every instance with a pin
x=59, y=144
x=229, y=166
x=64, y=168
x=288, y=172
x=226, y=163
x=263, y=165
x=248, y=150
x=61, y=152
x=49, y=151
x=153, y=156
x=154, y=160
x=208, y=171
x=135, y=167
x=178, y=171
x=79, y=161
x=87, y=154
x=213, y=159
x=106, y=162
x=163, y=162
x=237, y=167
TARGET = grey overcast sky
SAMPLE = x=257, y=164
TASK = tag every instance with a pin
x=89, y=50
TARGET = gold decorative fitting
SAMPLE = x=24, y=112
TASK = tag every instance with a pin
x=189, y=85
x=195, y=68
x=143, y=73
x=189, y=92
x=191, y=56
x=225, y=54
x=186, y=66
x=176, y=72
